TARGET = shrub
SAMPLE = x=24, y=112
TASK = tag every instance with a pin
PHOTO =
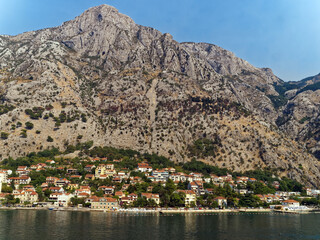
x=29, y=125
x=49, y=139
x=23, y=133
x=4, y=135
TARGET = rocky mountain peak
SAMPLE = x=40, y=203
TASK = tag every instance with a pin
x=100, y=77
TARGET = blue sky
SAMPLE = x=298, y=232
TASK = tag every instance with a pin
x=281, y=34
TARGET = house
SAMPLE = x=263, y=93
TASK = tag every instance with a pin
x=222, y=201
x=83, y=189
x=190, y=197
x=252, y=180
x=26, y=195
x=197, y=187
x=122, y=175
x=51, y=180
x=77, y=177
x=160, y=175
x=126, y=200
x=40, y=167
x=50, y=162
x=151, y=196
x=56, y=189
x=107, y=189
x=116, y=179
x=119, y=194
x=144, y=167
x=175, y=177
x=89, y=168
x=109, y=166
x=133, y=196
x=242, y=180
x=104, y=170
x=20, y=180
x=89, y=177
x=125, y=187
x=241, y=191
x=92, y=199
x=290, y=203
x=196, y=176
x=170, y=170
x=61, y=199
x=3, y=176
x=61, y=182
x=106, y=203
x=73, y=186
x=3, y=196
x=28, y=187
x=73, y=171
x=216, y=179
x=149, y=188
x=209, y=190
x=22, y=170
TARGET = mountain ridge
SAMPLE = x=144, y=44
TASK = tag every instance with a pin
x=102, y=77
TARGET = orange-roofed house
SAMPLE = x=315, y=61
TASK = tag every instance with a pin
x=89, y=177
x=51, y=180
x=50, y=162
x=105, y=203
x=151, y=196
x=107, y=189
x=119, y=194
x=290, y=203
x=190, y=198
x=22, y=170
x=144, y=167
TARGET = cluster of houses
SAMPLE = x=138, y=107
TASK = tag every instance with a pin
x=62, y=190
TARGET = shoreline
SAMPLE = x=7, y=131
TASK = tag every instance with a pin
x=162, y=211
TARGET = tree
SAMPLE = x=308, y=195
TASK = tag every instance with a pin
x=249, y=200
x=170, y=187
x=157, y=188
x=11, y=200
x=47, y=193
x=37, y=178
x=177, y=200
x=183, y=185
x=40, y=193
x=6, y=188
x=75, y=201
x=131, y=189
x=141, y=202
x=99, y=193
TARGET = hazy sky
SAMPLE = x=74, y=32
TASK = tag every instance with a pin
x=281, y=34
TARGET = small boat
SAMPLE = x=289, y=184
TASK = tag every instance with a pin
x=51, y=208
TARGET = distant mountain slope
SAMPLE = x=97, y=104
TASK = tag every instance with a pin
x=102, y=77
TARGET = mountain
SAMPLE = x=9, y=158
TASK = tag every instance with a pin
x=101, y=77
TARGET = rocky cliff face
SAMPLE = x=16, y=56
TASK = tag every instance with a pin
x=102, y=77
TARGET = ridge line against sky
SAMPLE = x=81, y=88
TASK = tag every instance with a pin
x=280, y=34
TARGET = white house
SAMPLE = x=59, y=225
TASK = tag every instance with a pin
x=61, y=199
x=144, y=167
x=290, y=203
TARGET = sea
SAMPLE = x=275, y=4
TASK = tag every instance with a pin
x=58, y=225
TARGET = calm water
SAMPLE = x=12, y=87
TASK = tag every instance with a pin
x=46, y=225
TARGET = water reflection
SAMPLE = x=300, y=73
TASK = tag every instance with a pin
x=98, y=225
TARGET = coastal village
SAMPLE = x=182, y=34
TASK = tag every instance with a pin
x=105, y=184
